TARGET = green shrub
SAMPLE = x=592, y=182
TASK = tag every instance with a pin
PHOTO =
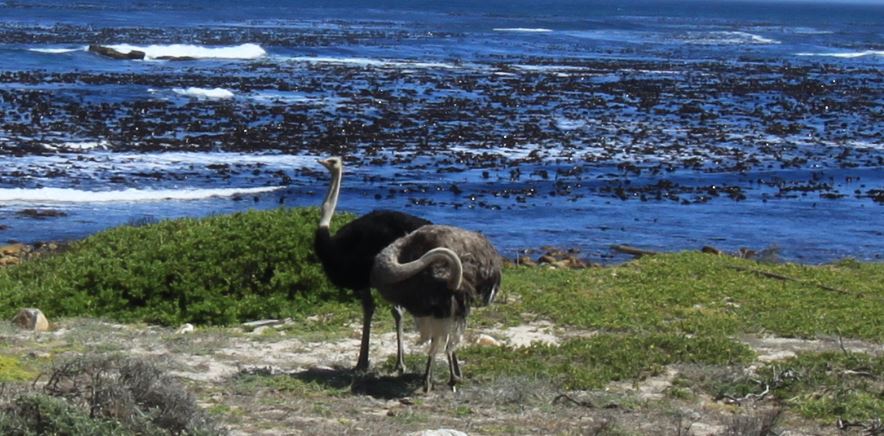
x=590, y=363
x=218, y=270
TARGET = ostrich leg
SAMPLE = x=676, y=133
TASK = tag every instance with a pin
x=367, y=312
x=428, y=374
x=454, y=370
x=400, y=354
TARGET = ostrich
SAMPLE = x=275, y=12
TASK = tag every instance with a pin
x=347, y=257
x=436, y=273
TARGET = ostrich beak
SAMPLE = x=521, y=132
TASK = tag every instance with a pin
x=325, y=162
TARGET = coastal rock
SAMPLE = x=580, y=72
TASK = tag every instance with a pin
x=41, y=213
x=559, y=258
x=31, y=319
x=116, y=54
x=7, y=261
x=13, y=249
x=526, y=260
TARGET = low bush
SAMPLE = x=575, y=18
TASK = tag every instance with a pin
x=218, y=270
x=39, y=414
x=106, y=395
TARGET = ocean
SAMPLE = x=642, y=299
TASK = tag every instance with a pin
x=667, y=125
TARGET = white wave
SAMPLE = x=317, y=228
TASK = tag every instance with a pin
x=66, y=195
x=78, y=146
x=366, y=62
x=846, y=54
x=57, y=50
x=102, y=160
x=522, y=29
x=214, y=93
x=726, y=38
x=153, y=52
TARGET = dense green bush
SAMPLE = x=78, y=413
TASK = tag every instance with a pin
x=217, y=270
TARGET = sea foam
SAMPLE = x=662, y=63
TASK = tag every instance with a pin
x=78, y=146
x=57, y=50
x=214, y=93
x=847, y=54
x=153, y=52
x=726, y=38
x=67, y=195
x=522, y=29
x=367, y=62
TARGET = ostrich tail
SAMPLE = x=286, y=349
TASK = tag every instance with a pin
x=388, y=270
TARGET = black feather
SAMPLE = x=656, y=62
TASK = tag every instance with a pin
x=347, y=257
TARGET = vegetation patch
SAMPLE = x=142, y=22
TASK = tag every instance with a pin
x=11, y=369
x=38, y=414
x=824, y=386
x=218, y=270
x=697, y=293
x=99, y=394
x=591, y=363
x=619, y=323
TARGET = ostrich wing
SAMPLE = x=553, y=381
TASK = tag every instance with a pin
x=480, y=259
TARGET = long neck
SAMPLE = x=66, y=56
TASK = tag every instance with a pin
x=388, y=270
x=331, y=199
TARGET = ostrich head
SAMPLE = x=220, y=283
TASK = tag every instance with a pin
x=332, y=164
x=336, y=167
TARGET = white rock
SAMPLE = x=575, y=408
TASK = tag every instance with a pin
x=185, y=329
x=31, y=319
x=487, y=341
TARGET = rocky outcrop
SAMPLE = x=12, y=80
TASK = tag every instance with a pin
x=554, y=257
x=116, y=54
x=14, y=254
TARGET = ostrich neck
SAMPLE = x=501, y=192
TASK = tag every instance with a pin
x=331, y=199
x=396, y=272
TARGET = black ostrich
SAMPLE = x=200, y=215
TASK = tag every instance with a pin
x=437, y=273
x=347, y=257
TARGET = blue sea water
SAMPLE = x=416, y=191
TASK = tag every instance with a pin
x=668, y=125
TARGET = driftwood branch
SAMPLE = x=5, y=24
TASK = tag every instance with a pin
x=632, y=251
